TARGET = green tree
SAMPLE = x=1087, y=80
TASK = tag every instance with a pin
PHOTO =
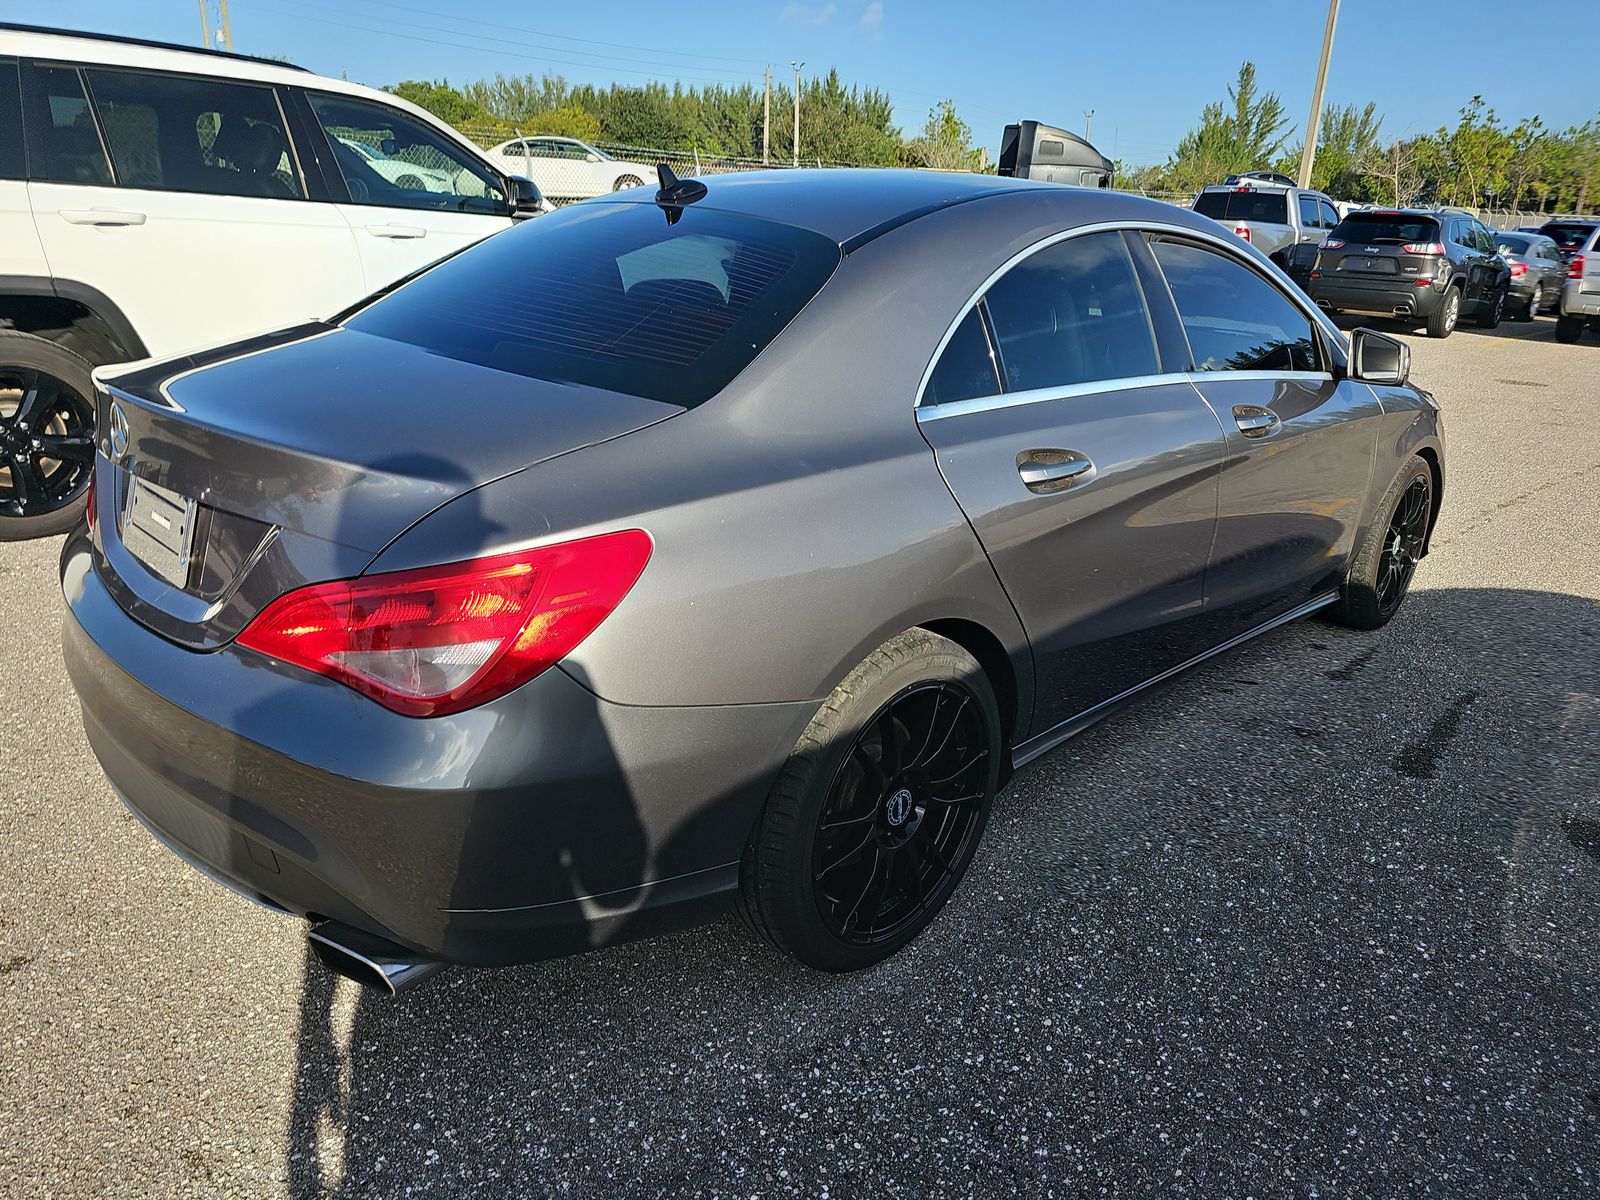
x=442, y=100
x=1346, y=142
x=1245, y=132
x=945, y=143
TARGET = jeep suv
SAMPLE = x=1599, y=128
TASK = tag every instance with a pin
x=156, y=199
x=1270, y=216
x=1580, y=297
x=1429, y=266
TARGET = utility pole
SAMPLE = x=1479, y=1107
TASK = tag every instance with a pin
x=224, y=31
x=1308, y=156
x=766, y=122
x=205, y=26
x=227, y=27
x=1088, y=124
x=796, y=66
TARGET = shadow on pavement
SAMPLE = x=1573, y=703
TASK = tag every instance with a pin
x=1320, y=915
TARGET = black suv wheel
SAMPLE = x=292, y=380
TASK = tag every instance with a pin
x=46, y=436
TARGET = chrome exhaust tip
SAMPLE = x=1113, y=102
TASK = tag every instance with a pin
x=1402, y=310
x=371, y=961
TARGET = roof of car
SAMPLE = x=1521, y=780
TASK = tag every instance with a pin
x=123, y=40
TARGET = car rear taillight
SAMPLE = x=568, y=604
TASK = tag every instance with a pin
x=1331, y=243
x=1423, y=247
x=1242, y=230
x=441, y=639
x=1575, y=267
x=1519, y=268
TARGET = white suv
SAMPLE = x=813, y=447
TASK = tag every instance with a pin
x=156, y=199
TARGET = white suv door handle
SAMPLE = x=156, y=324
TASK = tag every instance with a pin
x=397, y=231
x=101, y=216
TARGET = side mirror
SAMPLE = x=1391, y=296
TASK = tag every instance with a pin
x=591, y=157
x=1377, y=358
x=526, y=198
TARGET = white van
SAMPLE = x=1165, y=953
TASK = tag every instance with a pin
x=156, y=199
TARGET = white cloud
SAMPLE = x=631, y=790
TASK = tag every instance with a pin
x=807, y=14
x=871, y=22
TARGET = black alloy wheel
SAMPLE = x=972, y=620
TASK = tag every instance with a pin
x=1402, y=545
x=901, y=810
x=46, y=444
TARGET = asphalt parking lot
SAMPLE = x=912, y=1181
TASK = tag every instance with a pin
x=1321, y=918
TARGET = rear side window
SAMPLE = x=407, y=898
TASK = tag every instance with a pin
x=1072, y=313
x=10, y=121
x=1235, y=320
x=611, y=296
x=1246, y=204
x=1397, y=228
x=181, y=133
x=63, y=143
x=966, y=369
x=1308, y=212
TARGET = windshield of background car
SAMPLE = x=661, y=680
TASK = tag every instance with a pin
x=1386, y=227
x=1508, y=243
x=1568, y=237
x=1271, y=208
x=611, y=296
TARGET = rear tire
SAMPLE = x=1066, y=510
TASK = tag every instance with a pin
x=1492, y=313
x=912, y=724
x=1530, y=308
x=54, y=487
x=624, y=182
x=1442, y=320
x=1381, y=571
x=1568, y=328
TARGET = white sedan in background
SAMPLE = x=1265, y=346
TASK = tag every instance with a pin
x=401, y=173
x=568, y=169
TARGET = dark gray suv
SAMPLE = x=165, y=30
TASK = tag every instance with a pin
x=1425, y=266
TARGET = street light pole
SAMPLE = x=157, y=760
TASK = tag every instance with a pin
x=796, y=66
x=1088, y=124
x=1308, y=156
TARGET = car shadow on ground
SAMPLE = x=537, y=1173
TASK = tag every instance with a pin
x=1319, y=914
x=1541, y=329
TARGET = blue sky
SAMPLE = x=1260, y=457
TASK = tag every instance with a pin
x=1145, y=66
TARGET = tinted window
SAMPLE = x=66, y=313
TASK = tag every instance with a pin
x=1568, y=236
x=1235, y=320
x=1051, y=148
x=182, y=134
x=1387, y=227
x=388, y=158
x=1330, y=215
x=1072, y=313
x=1510, y=243
x=10, y=121
x=1308, y=212
x=63, y=143
x=612, y=296
x=966, y=368
x=1271, y=208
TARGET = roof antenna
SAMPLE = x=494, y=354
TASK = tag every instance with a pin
x=675, y=193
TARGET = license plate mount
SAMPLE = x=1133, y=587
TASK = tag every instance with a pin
x=158, y=529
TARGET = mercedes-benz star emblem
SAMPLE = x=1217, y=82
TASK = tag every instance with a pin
x=898, y=809
x=118, y=437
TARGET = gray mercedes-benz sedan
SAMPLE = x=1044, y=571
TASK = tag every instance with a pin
x=730, y=543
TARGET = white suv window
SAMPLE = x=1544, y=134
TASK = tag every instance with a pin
x=70, y=151
x=184, y=133
x=406, y=163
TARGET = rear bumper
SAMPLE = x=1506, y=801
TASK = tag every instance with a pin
x=1384, y=297
x=547, y=822
x=1576, y=303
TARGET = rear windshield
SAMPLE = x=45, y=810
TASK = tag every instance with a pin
x=609, y=295
x=1511, y=243
x=1568, y=237
x=1270, y=208
x=1386, y=227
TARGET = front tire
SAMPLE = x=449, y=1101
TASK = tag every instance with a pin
x=46, y=436
x=1382, y=569
x=1442, y=321
x=879, y=809
x=1568, y=328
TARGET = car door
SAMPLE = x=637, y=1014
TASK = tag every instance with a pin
x=181, y=198
x=1299, y=449
x=1087, y=467
x=21, y=255
x=404, y=223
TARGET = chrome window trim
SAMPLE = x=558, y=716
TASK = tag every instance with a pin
x=958, y=408
x=978, y=403
x=1198, y=377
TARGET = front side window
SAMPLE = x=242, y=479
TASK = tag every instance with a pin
x=185, y=134
x=966, y=368
x=1235, y=320
x=1072, y=313
x=393, y=160
x=1308, y=212
x=612, y=296
x=63, y=143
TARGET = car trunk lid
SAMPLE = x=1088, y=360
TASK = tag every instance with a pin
x=222, y=488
